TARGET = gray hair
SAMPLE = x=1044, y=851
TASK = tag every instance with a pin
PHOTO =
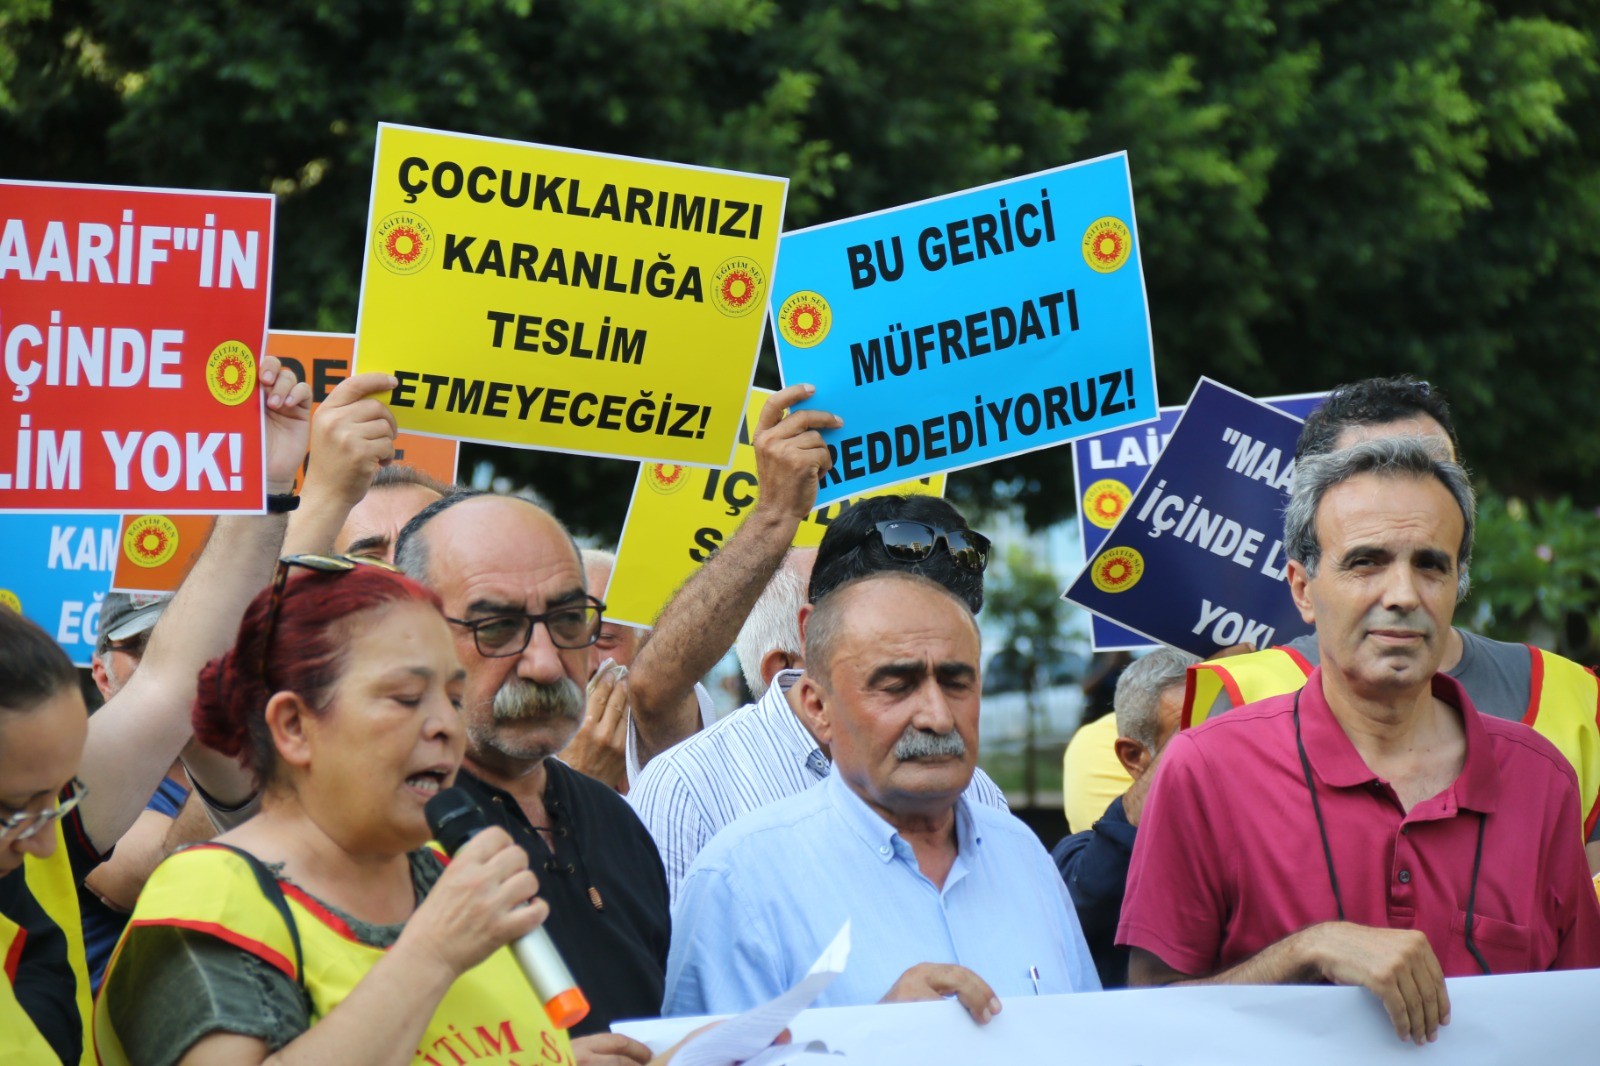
x=1139, y=692
x=599, y=555
x=410, y=548
x=1387, y=457
x=772, y=625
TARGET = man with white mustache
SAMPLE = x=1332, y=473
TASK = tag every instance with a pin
x=513, y=588
x=1372, y=828
x=946, y=896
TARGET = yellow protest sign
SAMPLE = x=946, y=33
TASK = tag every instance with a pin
x=571, y=301
x=679, y=515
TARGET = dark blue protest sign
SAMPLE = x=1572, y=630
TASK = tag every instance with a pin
x=1108, y=469
x=1196, y=560
x=969, y=327
x=58, y=569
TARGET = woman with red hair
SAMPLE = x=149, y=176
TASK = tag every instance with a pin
x=323, y=930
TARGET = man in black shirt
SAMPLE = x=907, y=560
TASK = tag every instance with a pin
x=513, y=588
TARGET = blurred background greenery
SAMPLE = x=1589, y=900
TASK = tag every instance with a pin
x=1326, y=189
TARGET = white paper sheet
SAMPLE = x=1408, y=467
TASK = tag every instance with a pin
x=746, y=1037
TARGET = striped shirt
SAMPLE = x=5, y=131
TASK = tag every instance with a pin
x=708, y=715
x=758, y=754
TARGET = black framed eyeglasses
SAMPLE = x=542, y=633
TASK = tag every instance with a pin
x=322, y=564
x=503, y=635
x=21, y=825
x=911, y=542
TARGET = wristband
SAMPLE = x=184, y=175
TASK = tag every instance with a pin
x=282, y=502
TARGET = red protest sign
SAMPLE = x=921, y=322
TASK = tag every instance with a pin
x=131, y=326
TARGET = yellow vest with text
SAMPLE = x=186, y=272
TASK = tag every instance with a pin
x=490, y=1015
x=51, y=883
x=1563, y=704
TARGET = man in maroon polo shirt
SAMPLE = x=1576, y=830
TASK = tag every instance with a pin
x=1372, y=829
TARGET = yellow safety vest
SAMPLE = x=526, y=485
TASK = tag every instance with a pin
x=53, y=887
x=1563, y=704
x=490, y=1015
x=20, y=1040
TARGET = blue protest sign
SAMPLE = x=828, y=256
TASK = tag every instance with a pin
x=1196, y=560
x=1108, y=469
x=58, y=570
x=967, y=328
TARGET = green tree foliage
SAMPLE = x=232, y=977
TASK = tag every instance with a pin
x=1325, y=190
x=1536, y=575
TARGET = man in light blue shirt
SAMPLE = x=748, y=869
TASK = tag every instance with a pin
x=944, y=897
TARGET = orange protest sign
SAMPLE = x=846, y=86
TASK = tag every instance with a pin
x=323, y=360
x=155, y=552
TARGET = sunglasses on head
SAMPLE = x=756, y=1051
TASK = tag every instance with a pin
x=907, y=541
x=322, y=564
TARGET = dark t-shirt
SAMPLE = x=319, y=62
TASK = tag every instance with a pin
x=606, y=888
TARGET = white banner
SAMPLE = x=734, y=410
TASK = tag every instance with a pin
x=1493, y=1020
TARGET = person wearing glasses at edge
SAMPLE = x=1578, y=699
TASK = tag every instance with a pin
x=71, y=786
x=753, y=589
x=324, y=929
x=1371, y=828
x=523, y=621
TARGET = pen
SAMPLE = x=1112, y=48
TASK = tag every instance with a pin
x=1033, y=975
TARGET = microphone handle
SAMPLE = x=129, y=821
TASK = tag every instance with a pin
x=552, y=982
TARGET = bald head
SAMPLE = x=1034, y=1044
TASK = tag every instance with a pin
x=858, y=608
x=415, y=546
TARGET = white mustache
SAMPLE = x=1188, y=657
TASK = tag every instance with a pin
x=917, y=743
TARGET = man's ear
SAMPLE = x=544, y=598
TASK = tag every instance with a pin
x=806, y=610
x=102, y=676
x=814, y=709
x=1299, y=582
x=1134, y=756
x=289, y=718
x=774, y=661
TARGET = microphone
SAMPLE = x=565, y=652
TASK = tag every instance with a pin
x=456, y=819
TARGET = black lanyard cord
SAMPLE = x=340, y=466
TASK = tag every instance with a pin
x=1327, y=848
x=1316, y=808
x=1472, y=898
